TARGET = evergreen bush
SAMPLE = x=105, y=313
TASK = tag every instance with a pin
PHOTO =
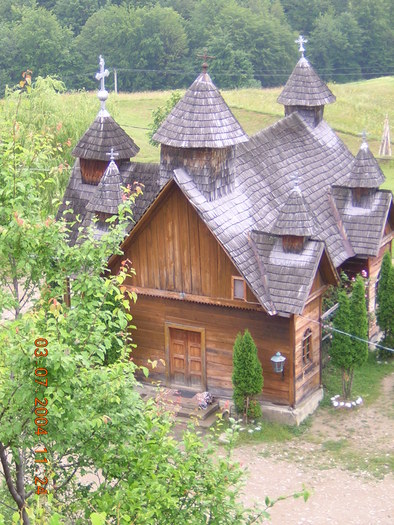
x=351, y=320
x=247, y=376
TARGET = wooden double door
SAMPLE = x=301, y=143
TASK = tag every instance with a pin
x=186, y=358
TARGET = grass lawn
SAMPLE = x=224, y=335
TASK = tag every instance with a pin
x=366, y=382
x=355, y=440
x=359, y=106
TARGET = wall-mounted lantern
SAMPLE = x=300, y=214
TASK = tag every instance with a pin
x=278, y=363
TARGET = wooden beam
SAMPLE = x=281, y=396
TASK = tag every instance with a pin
x=179, y=296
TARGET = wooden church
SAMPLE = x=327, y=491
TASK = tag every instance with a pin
x=236, y=232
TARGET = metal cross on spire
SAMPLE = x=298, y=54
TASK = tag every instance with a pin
x=103, y=93
x=112, y=154
x=364, y=145
x=296, y=181
x=205, y=57
x=301, y=41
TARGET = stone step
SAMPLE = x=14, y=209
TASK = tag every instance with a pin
x=191, y=410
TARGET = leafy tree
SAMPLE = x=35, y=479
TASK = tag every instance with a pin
x=41, y=44
x=373, y=17
x=110, y=30
x=247, y=376
x=160, y=114
x=10, y=9
x=335, y=45
x=88, y=415
x=302, y=14
x=348, y=352
x=74, y=13
x=150, y=40
x=45, y=116
x=160, y=44
x=231, y=67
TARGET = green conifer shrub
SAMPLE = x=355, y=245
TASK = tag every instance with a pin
x=348, y=352
x=385, y=309
x=247, y=376
x=383, y=296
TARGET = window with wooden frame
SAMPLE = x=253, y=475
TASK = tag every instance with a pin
x=307, y=347
x=238, y=288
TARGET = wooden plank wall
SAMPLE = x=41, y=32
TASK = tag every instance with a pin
x=175, y=251
x=307, y=376
x=221, y=324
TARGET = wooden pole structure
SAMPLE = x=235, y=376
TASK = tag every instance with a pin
x=115, y=81
x=385, y=146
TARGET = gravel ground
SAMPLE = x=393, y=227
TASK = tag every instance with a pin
x=339, y=496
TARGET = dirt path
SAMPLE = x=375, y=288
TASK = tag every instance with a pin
x=344, y=458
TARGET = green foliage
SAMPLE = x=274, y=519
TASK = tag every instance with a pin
x=247, y=376
x=359, y=322
x=38, y=126
x=96, y=423
x=161, y=113
x=340, y=341
x=336, y=47
x=384, y=312
x=330, y=297
x=144, y=39
x=366, y=383
x=348, y=352
x=41, y=44
x=153, y=43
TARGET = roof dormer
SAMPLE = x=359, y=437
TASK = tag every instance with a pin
x=295, y=222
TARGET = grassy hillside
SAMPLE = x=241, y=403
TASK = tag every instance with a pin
x=359, y=106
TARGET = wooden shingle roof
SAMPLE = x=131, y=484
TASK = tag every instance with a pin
x=365, y=171
x=305, y=88
x=201, y=119
x=289, y=275
x=81, y=201
x=364, y=225
x=295, y=217
x=108, y=194
x=265, y=166
x=102, y=135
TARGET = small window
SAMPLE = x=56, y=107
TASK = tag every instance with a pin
x=238, y=288
x=307, y=347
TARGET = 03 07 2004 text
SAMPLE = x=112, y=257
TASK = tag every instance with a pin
x=40, y=413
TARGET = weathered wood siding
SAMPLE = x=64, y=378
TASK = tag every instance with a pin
x=307, y=375
x=92, y=170
x=221, y=324
x=175, y=251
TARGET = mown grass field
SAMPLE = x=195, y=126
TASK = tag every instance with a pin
x=359, y=106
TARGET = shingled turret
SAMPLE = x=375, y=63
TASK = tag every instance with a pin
x=305, y=91
x=102, y=135
x=365, y=171
x=108, y=195
x=365, y=177
x=200, y=135
x=295, y=221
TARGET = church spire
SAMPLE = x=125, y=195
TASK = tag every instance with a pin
x=305, y=91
